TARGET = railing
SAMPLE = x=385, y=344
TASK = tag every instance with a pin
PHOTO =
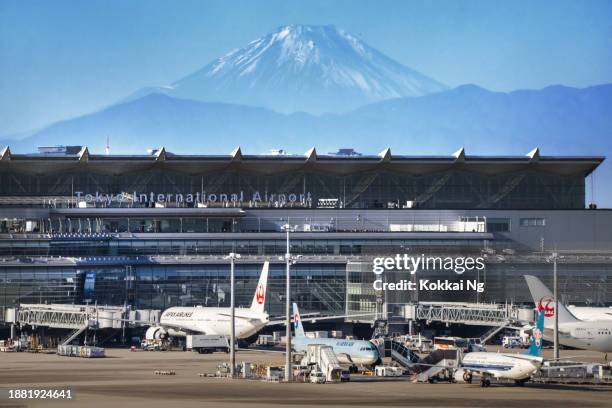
x=56, y=318
x=74, y=335
x=467, y=313
x=77, y=317
x=328, y=296
x=368, y=221
x=402, y=354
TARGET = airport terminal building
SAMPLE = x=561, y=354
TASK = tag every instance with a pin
x=152, y=231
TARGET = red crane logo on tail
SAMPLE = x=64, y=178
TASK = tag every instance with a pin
x=260, y=294
x=547, y=305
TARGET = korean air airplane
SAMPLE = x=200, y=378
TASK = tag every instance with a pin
x=180, y=321
x=354, y=352
x=517, y=367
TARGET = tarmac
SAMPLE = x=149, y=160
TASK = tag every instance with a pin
x=126, y=378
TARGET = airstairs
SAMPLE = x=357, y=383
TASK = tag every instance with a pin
x=324, y=358
x=439, y=363
x=403, y=355
x=489, y=334
x=74, y=335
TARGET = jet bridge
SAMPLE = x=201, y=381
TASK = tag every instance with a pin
x=77, y=317
x=480, y=314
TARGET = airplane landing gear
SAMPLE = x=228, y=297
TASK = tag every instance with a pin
x=520, y=383
x=485, y=382
x=467, y=377
x=353, y=369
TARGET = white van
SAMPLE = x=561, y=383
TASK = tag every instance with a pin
x=475, y=344
x=317, y=377
x=512, y=341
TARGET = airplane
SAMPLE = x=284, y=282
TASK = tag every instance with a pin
x=587, y=313
x=181, y=321
x=362, y=352
x=517, y=367
x=593, y=335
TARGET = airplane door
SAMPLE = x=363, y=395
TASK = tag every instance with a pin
x=583, y=333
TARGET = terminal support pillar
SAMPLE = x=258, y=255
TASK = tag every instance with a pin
x=233, y=320
x=288, y=376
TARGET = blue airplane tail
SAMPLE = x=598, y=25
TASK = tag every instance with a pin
x=535, y=349
x=297, y=322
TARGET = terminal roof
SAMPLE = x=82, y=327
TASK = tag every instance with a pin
x=84, y=161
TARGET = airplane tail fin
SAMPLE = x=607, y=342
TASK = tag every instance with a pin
x=545, y=302
x=259, y=299
x=297, y=322
x=535, y=349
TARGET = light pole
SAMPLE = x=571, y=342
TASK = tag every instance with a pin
x=555, y=294
x=553, y=258
x=232, y=257
x=289, y=260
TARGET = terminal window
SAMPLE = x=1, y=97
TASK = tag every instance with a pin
x=498, y=224
x=533, y=222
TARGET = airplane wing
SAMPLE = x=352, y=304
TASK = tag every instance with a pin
x=435, y=365
x=282, y=317
x=250, y=319
x=568, y=358
x=262, y=350
x=524, y=357
x=145, y=323
x=316, y=319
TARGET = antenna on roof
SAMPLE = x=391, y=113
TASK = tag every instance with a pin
x=107, y=145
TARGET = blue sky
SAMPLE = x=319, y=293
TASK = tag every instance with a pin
x=64, y=58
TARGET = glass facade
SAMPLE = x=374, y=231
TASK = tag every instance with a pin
x=579, y=284
x=379, y=188
x=316, y=287
x=91, y=246
x=325, y=287
x=153, y=234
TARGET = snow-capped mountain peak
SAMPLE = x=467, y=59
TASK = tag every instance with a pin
x=304, y=68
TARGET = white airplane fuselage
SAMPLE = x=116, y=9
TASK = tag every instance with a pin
x=499, y=365
x=358, y=352
x=212, y=320
x=586, y=335
x=348, y=351
x=591, y=313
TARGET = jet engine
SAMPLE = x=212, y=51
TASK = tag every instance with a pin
x=156, y=333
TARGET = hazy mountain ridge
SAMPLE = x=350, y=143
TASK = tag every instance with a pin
x=559, y=119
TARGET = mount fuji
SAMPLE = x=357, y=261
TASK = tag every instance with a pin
x=313, y=69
